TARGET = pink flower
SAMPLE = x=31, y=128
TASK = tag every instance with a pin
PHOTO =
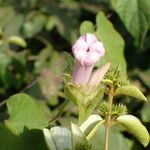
x=87, y=51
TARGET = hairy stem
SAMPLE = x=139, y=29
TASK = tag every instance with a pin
x=108, y=118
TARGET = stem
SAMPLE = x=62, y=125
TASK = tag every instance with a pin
x=108, y=118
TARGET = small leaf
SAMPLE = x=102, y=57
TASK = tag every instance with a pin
x=18, y=41
x=86, y=26
x=58, y=138
x=78, y=138
x=87, y=126
x=135, y=127
x=132, y=91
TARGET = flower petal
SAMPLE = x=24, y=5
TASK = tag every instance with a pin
x=97, y=47
x=99, y=74
x=79, y=49
x=91, y=58
x=89, y=38
x=81, y=74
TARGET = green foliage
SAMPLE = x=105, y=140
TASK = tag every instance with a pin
x=79, y=140
x=97, y=141
x=18, y=41
x=24, y=112
x=58, y=138
x=135, y=127
x=113, y=42
x=85, y=97
x=88, y=125
x=137, y=9
x=106, y=33
x=86, y=26
x=22, y=128
x=33, y=37
x=131, y=91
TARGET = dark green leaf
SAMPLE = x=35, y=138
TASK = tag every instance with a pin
x=135, y=15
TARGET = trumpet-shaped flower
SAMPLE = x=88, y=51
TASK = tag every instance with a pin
x=87, y=51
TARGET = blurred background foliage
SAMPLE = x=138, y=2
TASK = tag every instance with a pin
x=34, y=38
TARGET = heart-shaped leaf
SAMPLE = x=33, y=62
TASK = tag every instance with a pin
x=24, y=112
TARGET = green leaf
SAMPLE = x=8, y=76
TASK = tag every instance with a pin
x=135, y=15
x=28, y=139
x=112, y=40
x=86, y=26
x=91, y=97
x=135, y=127
x=24, y=112
x=78, y=138
x=97, y=140
x=87, y=126
x=58, y=138
x=8, y=141
x=17, y=40
x=86, y=97
x=132, y=91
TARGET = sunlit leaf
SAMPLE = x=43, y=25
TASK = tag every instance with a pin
x=132, y=91
x=87, y=126
x=24, y=112
x=112, y=40
x=135, y=127
x=17, y=40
